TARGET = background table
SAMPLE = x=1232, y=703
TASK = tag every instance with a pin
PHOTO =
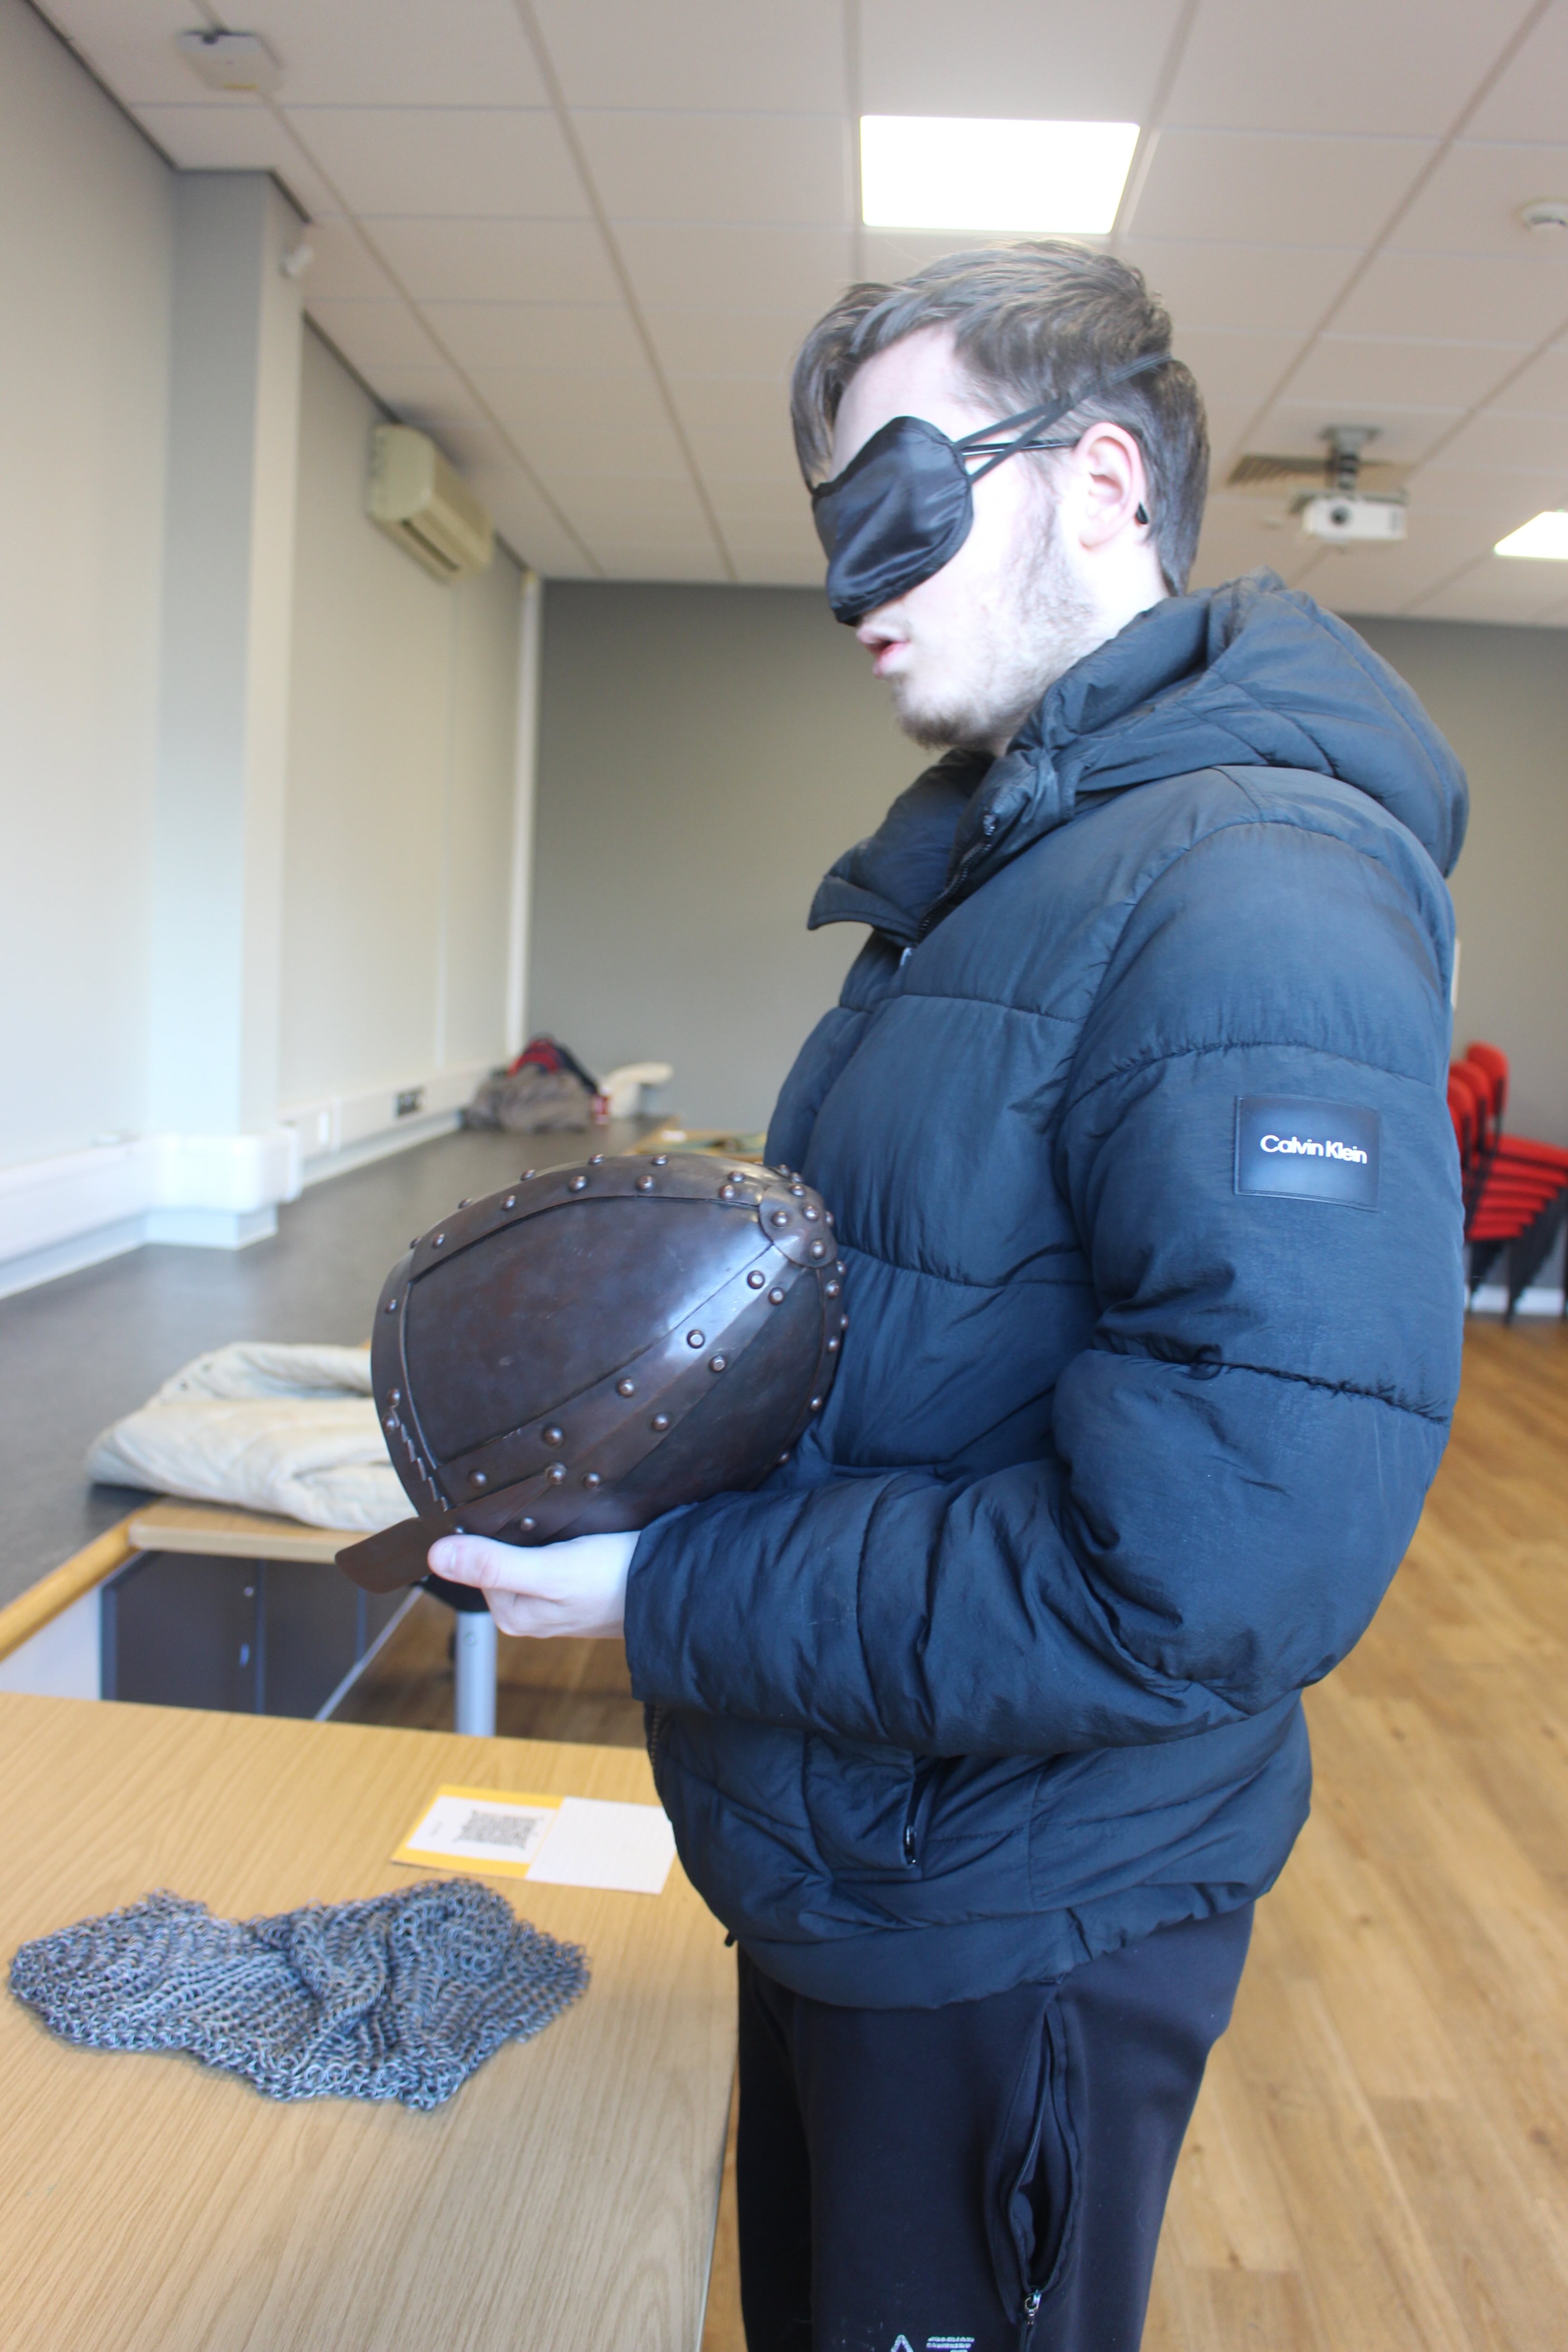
x=565, y=2198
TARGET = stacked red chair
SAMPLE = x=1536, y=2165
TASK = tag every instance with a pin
x=1516, y=1189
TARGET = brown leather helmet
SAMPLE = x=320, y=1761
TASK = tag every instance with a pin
x=597, y=1344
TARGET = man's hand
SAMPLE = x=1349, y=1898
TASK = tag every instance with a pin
x=576, y=1586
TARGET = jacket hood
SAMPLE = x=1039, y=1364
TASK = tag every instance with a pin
x=1251, y=675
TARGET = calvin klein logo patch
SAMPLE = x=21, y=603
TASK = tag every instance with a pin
x=1308, y=1150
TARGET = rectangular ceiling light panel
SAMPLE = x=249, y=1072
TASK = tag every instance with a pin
x=944, y=171
x=1544, y=535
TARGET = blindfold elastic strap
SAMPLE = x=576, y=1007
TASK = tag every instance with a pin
x=982, y=442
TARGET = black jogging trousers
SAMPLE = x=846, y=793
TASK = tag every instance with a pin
x=986, y=2176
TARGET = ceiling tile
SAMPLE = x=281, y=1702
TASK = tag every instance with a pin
x=1499, y=589
x=397, y=52
x=1424, y=294
x=1520, y=444
x=594, y=502
x=438, y=400
x=540, y=337
x=1346, y=578
x=1351, y=372
x=790, y=170
x=528, y=527
x=498, y=260
x=1470, y=204
x=443, y=162
x=474, y=448
x=754, y=535
x=658, y=536
x=1405, y=434
x=343, y=267
x=1539, y=390
x=1274, y=289
x=370, y=334
x=713, y=265
x=134, y=53
x=787, y=55
x=1502, y=500
x=1238, y=535
x=1233, y=368
x=750, y=498
x=1400, y=66
x=237, y=134
x=1053, y=59
x=1527, y=102
x=754, y=345
x=606, y=426
x=622, y=562
x=1295, y=190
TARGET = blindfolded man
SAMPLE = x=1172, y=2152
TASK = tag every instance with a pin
x=980, y=1724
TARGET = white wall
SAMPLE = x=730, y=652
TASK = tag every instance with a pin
x=86, y=239
x=397, y=842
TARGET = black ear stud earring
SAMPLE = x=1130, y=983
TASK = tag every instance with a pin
x=1138, y=514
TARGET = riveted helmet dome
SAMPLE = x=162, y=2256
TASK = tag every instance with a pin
x=596, y=1345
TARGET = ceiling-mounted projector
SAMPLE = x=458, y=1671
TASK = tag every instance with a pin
x=1343, y=515
x=1343, y=518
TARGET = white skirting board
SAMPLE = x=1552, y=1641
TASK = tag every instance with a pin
x=1491, y=1298
x=206, y=1192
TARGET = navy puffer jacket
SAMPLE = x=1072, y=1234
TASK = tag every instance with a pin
x=1003, y=1667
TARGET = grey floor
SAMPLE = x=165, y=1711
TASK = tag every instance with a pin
x=76, y=1353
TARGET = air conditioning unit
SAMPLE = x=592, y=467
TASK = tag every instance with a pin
x=425, y=505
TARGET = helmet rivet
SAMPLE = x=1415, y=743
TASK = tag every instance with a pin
x=726, y=1192
x=578, y=1185
x=645, y=1183
x=757, y=1280
x=625, y=1388
x=552, y=1435
x=595, y=1160
x=479, y=1478
x=660, y=1421
x=779, y=1217
x=828, y=1216
x=528, y=1524
x=661, y=1159
x=396, y=1398
x=817, y=1249
x=592, y=1478
x=834, y=1288
x=775, y=1298
x=390, y=1420
x=464, y=1204
x=556, y=1472
x=695, y=1339
x=510, y=1201
x=717, y=1364
x=440, y=1240
x=816, y=1404
x=810, y=1214
x=392, y=1305
x=527, y=1175
x=833, y=1347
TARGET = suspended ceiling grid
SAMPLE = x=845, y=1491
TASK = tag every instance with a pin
x=577, y=241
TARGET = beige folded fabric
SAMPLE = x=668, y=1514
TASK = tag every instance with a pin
x=292, y=1429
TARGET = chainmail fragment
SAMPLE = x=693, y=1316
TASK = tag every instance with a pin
x=399, y=1997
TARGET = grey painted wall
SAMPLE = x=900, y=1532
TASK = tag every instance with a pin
x=706, y=752
x=1500, y=696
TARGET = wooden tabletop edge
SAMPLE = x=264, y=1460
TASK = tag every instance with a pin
x=54, y=1593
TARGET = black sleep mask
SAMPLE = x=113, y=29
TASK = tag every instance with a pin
x=904, y=504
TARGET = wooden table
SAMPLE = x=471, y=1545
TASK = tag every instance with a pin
x=565, y=2198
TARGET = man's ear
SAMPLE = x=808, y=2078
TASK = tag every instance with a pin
x=1113, y=487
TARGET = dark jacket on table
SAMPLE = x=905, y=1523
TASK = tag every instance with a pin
x=1003, y=1668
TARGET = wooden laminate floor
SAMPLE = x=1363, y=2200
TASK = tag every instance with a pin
x=1379, y=2160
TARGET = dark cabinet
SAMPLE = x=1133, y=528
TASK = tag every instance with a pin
x=252, y=1637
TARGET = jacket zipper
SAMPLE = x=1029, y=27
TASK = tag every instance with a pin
x=1031, y=2312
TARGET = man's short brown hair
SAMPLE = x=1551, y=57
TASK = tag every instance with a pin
x=1032, y=323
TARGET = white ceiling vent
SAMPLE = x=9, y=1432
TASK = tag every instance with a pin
x=420, y=501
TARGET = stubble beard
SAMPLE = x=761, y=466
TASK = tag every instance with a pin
x=1050, y=625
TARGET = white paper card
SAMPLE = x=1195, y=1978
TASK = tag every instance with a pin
x=557, y=1840
x=597, y=1843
